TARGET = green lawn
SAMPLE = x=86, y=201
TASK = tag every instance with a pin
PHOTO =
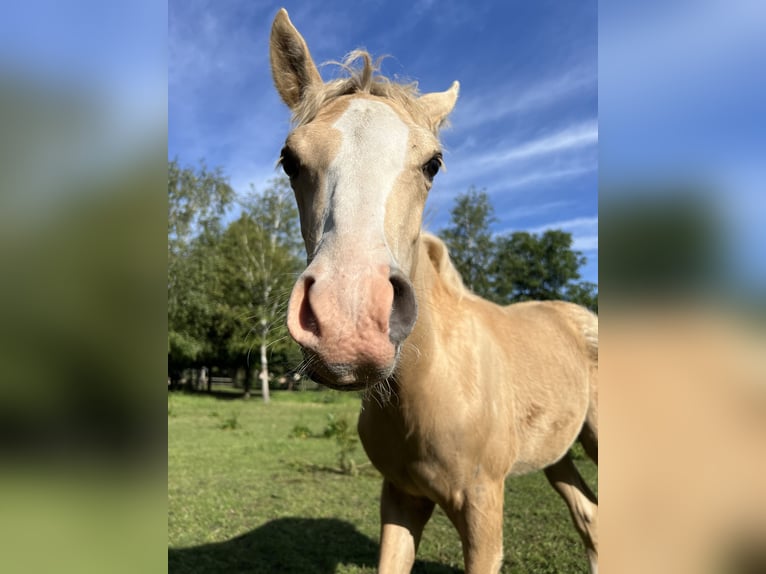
x=246, y=496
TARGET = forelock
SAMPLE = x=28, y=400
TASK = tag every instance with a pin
x=362, y=77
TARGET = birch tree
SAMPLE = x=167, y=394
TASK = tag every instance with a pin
x=261, y=263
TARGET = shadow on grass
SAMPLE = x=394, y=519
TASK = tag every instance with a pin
x=289, y=545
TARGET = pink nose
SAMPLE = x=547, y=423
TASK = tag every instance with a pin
x=352, y=320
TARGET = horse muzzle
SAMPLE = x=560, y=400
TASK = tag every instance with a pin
x=351, y=323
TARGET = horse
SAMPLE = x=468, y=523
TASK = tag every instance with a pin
x=458, y=392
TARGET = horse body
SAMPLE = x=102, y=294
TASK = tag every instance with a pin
x=457, y=390
x=463, y=416
x=460, y=392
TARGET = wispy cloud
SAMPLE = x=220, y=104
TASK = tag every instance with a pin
x=584, y=231
x=534, y=177
x=538, y=209
x=518, y=99
x=576, y=136
x=577, y=223
x=501, y=182
x=585, y=243
x=566, y=153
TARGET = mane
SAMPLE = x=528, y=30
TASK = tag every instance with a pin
x=440, y=259
x=363, y=78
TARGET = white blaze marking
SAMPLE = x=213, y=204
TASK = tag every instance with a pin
x=361, y=177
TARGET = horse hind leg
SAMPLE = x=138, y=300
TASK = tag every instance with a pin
x=582, y=504
x=589, y=434
x=588, y=328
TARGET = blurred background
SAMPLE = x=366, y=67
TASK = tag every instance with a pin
x=83, y=116
x=682, y=283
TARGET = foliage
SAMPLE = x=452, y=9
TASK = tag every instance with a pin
x=470, y=241
x=535, y=267
x=346, y=440
x=227, y=284
x=197, y=199
x=257, y=266
x=584, y=293
x=518, y=266
x=300, y=431
x=344, y=433
x=231, y=422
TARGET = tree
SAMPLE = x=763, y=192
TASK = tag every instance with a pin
x=519, y=266
x=469, y=240
x=531, y=267
x=259, y=262
x=585, y=294
x=197, y=199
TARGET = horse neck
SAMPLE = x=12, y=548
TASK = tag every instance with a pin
x=427, y=339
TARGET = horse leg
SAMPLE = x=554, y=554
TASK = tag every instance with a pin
x=582, y=504
x=479, y=521
x=402, y=519
x=589, y=439
x=589, y=434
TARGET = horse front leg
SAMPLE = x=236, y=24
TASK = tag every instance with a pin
x=478, y=517
x=402, y=519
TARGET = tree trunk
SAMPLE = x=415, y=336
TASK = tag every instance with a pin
x=205, y=381
x=264, y=376
x=249, y=376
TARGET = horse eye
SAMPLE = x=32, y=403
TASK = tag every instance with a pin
x=290, y=162
x=431, y=167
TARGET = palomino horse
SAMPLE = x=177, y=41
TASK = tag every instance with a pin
x=473, y=391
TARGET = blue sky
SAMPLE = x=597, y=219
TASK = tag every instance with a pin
x=525, y=127
x=680, y=93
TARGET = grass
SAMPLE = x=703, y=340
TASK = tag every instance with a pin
x=247, y=493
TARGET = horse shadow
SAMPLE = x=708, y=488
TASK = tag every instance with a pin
x=290, y=546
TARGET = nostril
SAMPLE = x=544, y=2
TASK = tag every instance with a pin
x=404, y=309
x=306, y=317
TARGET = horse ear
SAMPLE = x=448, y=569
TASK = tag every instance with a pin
x=292, y=67
x=438, y=105
x=440, y=259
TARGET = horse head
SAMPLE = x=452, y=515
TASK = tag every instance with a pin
x=361, y=160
